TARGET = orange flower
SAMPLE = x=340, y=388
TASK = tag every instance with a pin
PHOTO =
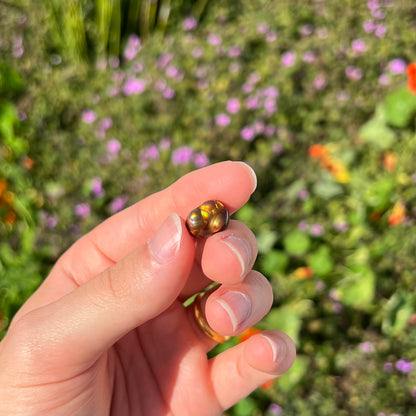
x=248, y=333
x=398, y=214
x=303, y=273
x=10, y=218
x=389, y=161
x=28, y=162
x=3, y=186
x=317, y=151
x=411, y=77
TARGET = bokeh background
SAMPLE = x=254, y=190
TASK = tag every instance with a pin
x=103, y=102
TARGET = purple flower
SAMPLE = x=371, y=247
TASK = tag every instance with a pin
x=151, y=152
x=50, y=220
x=316, y=230
x=306, y=30
x=134, y=86
x=182, y=155
x=247, y=133
x=262, y=28
x=274, y=409
x=132, y=48
x=172, y=71
x=88, y=116
x=164, y=59
x=106, y=123
x=270, y=106
x=353, y=73
x=169, y=93
x=200, y=160
x=271, y=36
x=270, y=92
x=234, y=52
x=404, y=366
x=387, y=367
x=359, y=45
x=252, y=103
x=397, y=66
x=308, y=57
x=277, y=148
x=303, y=194
x=269, y=130
x=97, y=187
x=319, y=82
x=222, y=119
x=197, y=52
x=288, y=58
x=369, y=26
x=233, y=105
x=189, y=23
x=82, y=210
x=366, y=347
x=113, y=147
x=384, y=79
x=165, y=144
x=380, y=31
x=214, y=39
x=117, y=204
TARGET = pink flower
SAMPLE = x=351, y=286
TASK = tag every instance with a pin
x=359, y=45
x=117, y=204
x=169, y=93
x=214, y=39
x=88, y=116
x=200, y=160
x=353, y=73
x=97, y=187
x=247, y=133
x=82, y=210
x=252, y=103
x=113, y=147
x=319, y=82
x=308, y=57
x=222, y=119
x=234, y=52
x=134, y=86
x=233, y=105
x=288, y=58
x=369, y=26
x=182, y=155
x=380, y=31
x=189, y=23
x=397, y=66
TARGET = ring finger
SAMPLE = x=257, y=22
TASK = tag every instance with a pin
x=231, y=309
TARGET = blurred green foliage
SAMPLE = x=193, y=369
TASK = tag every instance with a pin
x=312, y=95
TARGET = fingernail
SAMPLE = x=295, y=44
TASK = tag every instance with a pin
x=252, y=173
x=164, y=245
x=278, y=348
x=241, y=249
x=237, y=305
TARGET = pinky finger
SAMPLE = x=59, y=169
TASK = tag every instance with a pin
x=237, y=372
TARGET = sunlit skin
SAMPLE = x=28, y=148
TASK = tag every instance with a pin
x=107, y=332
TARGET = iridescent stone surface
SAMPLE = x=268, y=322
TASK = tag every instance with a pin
x=209, y=218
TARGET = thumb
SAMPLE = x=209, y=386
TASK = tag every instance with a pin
x=136, y=289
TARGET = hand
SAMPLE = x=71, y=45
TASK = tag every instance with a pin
x=107, y=332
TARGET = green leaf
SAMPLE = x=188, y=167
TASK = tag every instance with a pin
x=327, y=188
x=321, y=261
x=295, y=375
x=288, y=318
x=296, y=243
x=378, y=194
x=274, y=261
x=400, y=107
x=398, y=310
x=8, y=118
x=247, y=406
x=266, y=240
x=357, y=288
x=375, y=132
